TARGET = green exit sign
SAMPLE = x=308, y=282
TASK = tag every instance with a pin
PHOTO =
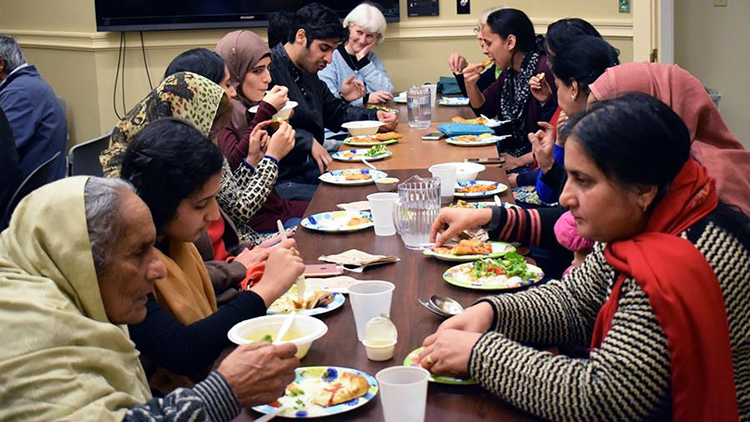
x=624, y=6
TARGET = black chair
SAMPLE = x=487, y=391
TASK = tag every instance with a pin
x=38, y=178
x=83, y=159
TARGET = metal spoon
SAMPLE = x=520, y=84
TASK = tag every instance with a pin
x=433, y=309
x=447, y=305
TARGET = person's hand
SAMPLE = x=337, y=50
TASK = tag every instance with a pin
x=283, y=267
x=540, y=89
x=321, y=156
x=271, y=241
x=257, y=143
x=476, y=319
x=513, y=180
x=352, y=89
x=379, y=97
x=390, y=120
x=472, y=73
x=366, y=50
x=447, y=352
x=277, y=96
x=561, y=120
x=282, y=141
x=259, y=372
x=512, y=162
x=251, y=257
x=457, y=63
x=542, y=143
x=452, y=221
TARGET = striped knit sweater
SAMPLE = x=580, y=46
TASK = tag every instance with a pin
x=628, y=378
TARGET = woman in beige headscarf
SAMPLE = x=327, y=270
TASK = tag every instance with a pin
x=77, y=262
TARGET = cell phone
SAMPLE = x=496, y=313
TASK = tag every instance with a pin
x=322, y=270
x=432, y=136
x=491, y=160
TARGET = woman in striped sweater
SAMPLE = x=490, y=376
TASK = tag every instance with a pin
x=658, y=308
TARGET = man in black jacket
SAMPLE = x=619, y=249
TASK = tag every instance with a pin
x=314, y=35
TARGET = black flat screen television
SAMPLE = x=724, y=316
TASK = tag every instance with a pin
x=152, y=15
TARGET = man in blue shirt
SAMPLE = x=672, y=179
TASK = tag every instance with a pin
x=34, y=112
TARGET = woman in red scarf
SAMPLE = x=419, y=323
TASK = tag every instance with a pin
x=660, y=304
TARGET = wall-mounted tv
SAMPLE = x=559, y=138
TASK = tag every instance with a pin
x=151, y=15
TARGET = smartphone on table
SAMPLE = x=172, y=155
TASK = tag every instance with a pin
x=322, y=270
x=432, y=136
x=490, y=160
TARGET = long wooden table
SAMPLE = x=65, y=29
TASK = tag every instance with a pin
x=415, y=276
x=413, y=152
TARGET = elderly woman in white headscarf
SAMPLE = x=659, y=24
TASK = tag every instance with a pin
x=76, y=265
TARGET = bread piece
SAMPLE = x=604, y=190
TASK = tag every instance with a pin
x=347, y=387
x=388, y=136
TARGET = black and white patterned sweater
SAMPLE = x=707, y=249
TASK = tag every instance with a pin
x=628, y=378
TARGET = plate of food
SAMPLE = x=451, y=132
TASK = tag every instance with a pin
x=413, y=360
x=382, y=108
x=482, y=120
x=479, y=205
x=510, y=271
x=319, y=391
x=338, y=221
x=337, y=284
x=314, y=302
x=475, y=140
x=470, y=250
x=453, y=101
x=386, y=138
x=478, y=188
x=377, y=152
x=352, y=177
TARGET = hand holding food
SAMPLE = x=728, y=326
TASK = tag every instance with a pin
x=475, y=319
x=283, y=267
x=257, y=143
x=452, y=221
x=457, y=63
x=282, y=141
x=352, y=89
x=259, y=373
x=321, y=156
x=379, y=97
x=512, y=162
x=390, y=120
x=277, y=96
x=542, y=143
x=447, y=352
x=540, y=89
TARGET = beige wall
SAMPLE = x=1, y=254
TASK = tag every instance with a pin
x=59, y=38
x=712, y=44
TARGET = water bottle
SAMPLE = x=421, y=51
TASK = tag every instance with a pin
x=418, y=107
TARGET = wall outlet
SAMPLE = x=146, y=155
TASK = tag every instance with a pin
x=720, y=3
x=625, y=6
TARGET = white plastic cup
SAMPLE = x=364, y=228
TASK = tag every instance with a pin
x=370, y=299
x=433, y=93
x=403, y=393
x=447, y=175
x=381, y=205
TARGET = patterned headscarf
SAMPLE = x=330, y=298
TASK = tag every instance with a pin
x=241, y=51
x=516, y=93
x=183, y=95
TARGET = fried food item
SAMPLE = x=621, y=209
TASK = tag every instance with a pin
x=475, y=121
x=388, y=136
x=356, y=175
x=346, y=387
x=467, y=138
x=477, y=188
x=467, y=247
x=362, y=139
x=356, y=221
x=318, y=299
x=488, y=62
x=540, y=76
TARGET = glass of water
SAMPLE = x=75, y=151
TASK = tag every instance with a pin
x=418, y=107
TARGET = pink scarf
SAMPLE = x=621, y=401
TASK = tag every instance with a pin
x=714, y=144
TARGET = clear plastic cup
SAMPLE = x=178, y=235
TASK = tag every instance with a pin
x=447, y=175
x=381, y=205
x=433, y=93
x=370, y=299
x=403, y=393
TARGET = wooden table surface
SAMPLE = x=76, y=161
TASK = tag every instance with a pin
x=412, y=152
x=415, y=276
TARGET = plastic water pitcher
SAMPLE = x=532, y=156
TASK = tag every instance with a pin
x=418, y=107
x=415, y=210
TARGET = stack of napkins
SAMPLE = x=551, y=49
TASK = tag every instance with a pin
x=357, y=258
x=355, y=206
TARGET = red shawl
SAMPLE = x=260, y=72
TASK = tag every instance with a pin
x=685, y=296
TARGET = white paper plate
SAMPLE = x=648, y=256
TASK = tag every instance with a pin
x=360, y=153
x=498, y=188
x=338, y=177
